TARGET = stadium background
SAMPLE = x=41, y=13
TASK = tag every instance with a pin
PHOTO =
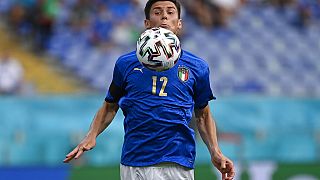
x=265, y=70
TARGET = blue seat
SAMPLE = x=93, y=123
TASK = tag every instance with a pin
x=89, y=65
x=5, y=6
x=76, y=56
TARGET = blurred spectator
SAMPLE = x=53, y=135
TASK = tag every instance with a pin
x=281, y=3
x=304, y=13
x=308, y=10
x=200, y=10
x=224, y=9
x=42, y=17
x=81, y=14
x=301, y=13
x=63, y=13
x=139, y=3
x=17, y=17
x=34, y=20
x=124, y=34
x=11, y=75
x=102, y=26
x=212, y=13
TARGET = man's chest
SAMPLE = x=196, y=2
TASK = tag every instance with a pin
x=176, y=82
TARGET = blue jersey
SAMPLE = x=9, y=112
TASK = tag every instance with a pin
x=158, y=108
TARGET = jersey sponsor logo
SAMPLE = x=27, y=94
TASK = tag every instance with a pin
x=183, y=73
x=138, y=69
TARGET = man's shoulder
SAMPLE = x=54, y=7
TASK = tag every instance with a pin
x=193, y=59
x=125, y=58
x=189, y=54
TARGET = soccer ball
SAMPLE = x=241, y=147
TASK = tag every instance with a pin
x=158, y=49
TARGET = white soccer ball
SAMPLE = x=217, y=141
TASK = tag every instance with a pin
x=158, y=49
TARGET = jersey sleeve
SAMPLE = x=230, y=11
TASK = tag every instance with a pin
x=203, y=93
x=116, y=88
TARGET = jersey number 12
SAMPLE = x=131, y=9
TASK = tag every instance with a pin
x=154, y=85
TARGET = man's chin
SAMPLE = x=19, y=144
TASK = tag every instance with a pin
x=166, y=27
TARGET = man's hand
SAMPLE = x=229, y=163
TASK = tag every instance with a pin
x=86, y=144
x=224, y=165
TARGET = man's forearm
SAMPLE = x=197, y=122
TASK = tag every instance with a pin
x=207, y=129
x=103, y=118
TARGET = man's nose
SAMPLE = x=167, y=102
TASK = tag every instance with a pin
x=164, y=15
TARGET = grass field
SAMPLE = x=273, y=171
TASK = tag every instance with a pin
x=202, y=172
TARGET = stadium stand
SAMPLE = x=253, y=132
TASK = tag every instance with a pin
x=265, y=70
x=41, y=75
x=260, y=41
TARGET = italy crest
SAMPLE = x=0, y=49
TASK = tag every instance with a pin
x=183, y=73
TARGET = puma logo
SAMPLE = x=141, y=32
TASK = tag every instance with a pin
x=138, y=69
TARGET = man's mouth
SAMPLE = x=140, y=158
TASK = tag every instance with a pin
x=164, y=26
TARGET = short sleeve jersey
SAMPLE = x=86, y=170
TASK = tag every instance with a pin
x=158, y=108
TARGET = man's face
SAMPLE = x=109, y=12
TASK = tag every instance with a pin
x=164, y=14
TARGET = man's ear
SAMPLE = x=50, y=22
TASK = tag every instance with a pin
x=179, y=27
x=180, y=24
x=147, y=24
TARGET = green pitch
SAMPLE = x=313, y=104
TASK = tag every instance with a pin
x=202, y=172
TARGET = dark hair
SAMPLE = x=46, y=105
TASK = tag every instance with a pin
x=147, y=9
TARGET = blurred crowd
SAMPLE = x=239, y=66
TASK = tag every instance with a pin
x=307, y=11
x=109, y=22
x=101, y=22
x=213, y=13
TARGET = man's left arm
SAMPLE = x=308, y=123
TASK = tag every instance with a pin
x=207, y=129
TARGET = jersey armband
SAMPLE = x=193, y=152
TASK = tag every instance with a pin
x=116, y=93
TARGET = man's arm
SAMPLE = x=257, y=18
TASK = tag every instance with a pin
x=207, y=129
x=100, y=122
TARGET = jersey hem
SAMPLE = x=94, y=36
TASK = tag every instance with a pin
x=143, y=164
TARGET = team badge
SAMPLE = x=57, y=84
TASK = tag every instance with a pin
x=183, y=73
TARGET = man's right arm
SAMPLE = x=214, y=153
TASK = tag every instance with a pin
x=100, y=122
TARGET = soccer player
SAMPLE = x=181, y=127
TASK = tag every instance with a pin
x=158, y=143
